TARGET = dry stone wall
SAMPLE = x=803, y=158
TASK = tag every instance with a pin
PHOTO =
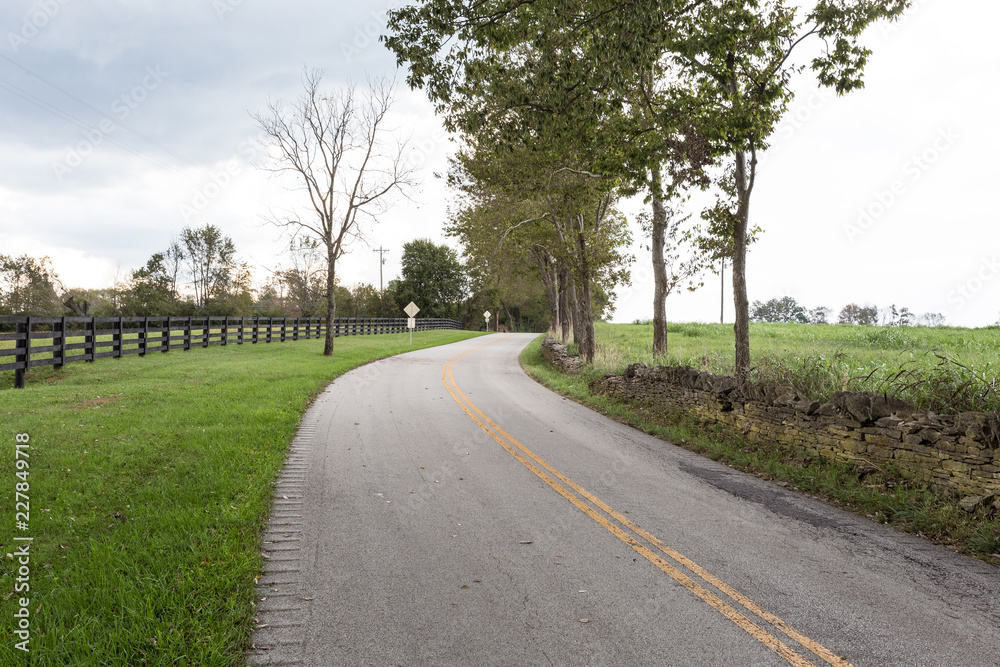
x=959, y=454
x=557, y=355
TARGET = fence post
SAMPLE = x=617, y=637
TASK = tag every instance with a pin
x=144, y=337
x=89, y=346
x=25, y=344
x=60, y=342
x=116, y=338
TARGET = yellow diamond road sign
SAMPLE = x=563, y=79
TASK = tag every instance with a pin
x=411, y=309
x=487, y=314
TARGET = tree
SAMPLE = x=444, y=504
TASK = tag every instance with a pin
x=433, y=278
x=849, y=314
x=29, y=286
x=569, y=221
x=303, y=285
x=819, y=315
x=738, y=58
x=932, y=320
x=726, y=66
x=785, y=309
x=211, y=262
x=670, y=271
x=852, y=313
x=149, y=290
x=338, y=148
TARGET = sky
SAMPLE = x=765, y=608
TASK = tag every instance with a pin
x=121, y=122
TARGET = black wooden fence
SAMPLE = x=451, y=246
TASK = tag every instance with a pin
x=69, y=339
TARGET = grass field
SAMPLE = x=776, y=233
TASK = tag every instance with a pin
x=938, y=368
x=885, y=495
x=149, y=482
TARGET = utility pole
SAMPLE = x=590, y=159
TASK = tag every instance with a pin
x=722, y=307
x=381, y=290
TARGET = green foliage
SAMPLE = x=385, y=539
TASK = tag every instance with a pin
x=855, y=314
x=433, y=278
x=785, y=309
x=149, y=291
x=211, y=260
x=28, y=286
x=627, y=85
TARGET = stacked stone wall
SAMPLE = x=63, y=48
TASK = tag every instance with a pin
x=958, y=454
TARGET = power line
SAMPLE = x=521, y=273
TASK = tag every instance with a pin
x=31, y=99
x=102, y=113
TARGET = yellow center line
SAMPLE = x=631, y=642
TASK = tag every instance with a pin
x=523, y=454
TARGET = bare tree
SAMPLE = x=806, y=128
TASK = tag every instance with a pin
x=347, y=161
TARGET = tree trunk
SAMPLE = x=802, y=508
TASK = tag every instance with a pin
x=588, y=346
x=331, y=301
x=510, y=318
x=742, y=326
x=550, y=279
x=586, y=312
x=659, y=270
x=565, y=296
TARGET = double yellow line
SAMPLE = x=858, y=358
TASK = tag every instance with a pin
x=646, y=544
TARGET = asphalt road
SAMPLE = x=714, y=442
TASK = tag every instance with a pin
x=441, y=508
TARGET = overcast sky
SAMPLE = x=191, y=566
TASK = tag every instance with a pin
x=883, y=196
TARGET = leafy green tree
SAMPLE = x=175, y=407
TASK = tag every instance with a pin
x=785, y=309
x=211, y=263
x=725, y=66
x=433, y=278
x=819, y=315
x=868, y=315
x=29, y=286
x=570, y=224
x=149, y=290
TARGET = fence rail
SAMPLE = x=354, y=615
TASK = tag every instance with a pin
x=90, y=338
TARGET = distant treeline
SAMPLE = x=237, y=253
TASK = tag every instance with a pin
x=199, y=274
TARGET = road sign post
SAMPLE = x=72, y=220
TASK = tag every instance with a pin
x=411, y=311
x=487, y=316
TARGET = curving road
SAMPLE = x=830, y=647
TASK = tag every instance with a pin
x=441, y=508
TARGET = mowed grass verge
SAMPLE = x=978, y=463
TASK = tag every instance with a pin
x=150, y=483
x=883, y=495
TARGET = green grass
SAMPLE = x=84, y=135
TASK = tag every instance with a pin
x=881, y=494
x=150, y=483
x=944, y=369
